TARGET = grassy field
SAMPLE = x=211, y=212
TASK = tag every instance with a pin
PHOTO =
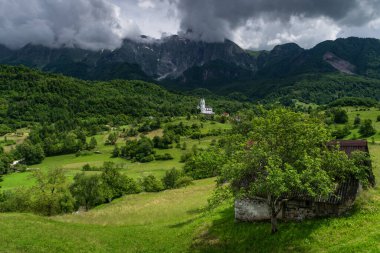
x=73, y=164
x=176, y=221
x=364, y=113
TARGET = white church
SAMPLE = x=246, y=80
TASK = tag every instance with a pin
x=204, y=109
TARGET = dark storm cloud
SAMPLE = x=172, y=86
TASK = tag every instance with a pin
x=91, y=24
x=216, y=19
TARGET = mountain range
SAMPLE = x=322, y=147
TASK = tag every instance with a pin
x=179, y=63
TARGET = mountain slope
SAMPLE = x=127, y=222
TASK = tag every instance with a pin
x=182, y=64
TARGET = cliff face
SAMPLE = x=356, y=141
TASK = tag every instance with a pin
x=183, y=63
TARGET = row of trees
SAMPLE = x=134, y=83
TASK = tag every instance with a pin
x=53, y=194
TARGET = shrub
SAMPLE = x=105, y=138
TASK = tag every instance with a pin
x=357, y=120
x=146, y=159
x=152, y=184
x=88, y=167
x=163, y=157
x=83, y=153
x=366, y=129
x=340, y=116
x=175, y=179
x=205, y=164
x=183, y=181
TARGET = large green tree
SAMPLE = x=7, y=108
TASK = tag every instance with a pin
x=283, y=153
x=87, y=190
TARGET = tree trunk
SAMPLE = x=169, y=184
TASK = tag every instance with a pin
x=273, y=213
x=273, y=221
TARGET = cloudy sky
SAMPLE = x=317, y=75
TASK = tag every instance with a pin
x=254, y=24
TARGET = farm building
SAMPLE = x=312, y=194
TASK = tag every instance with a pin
x=300, y=206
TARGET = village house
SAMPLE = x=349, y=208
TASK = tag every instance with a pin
x=299, y=206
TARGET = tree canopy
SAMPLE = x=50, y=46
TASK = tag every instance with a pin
x=284, y=153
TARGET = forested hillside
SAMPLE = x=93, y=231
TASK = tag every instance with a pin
x=33, y=96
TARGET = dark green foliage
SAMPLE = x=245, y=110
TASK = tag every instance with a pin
x=112, y=138
x=151, y=184
x=163, y=157
x=138, y=150
x=357, y=120
x=353, y=101
x=205, y=164
x=32, y=96
x=165, y=141
x=366, y=128
x=4, y=129
x=340, y=116
x=175, y=179
x=378, y=118
x=50, y=195
x=364, y=172
x=341, y=132
x=5, y=162
x=93, y=143
x=88, y=167
x=87, y=190
x=115, y=151
x=30, y=153
x=115, y=184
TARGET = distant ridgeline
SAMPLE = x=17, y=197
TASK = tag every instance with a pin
x=33, y=96
x=331, y=70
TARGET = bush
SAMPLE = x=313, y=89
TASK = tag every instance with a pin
x=88, y=167
x=18, y=200
x=83, y=153
x=171, y=177
x=115, y=184
x=183, y=181
x=366, y=129
x=163, y=157
x=340, y=116
x=341, y=132
x=32, y=154
x=205, y=164
x=146, y=159
x=185, y=157
x=152, y=184
x=357, y=120
x=175, y=179
x=378, y=118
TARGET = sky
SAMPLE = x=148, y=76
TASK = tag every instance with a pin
x=252, y=24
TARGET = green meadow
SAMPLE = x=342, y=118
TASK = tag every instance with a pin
x=73, y=164
x=179, y=220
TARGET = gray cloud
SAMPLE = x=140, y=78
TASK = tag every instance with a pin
x=214, y=20
x=257, y=24
x=91, y=24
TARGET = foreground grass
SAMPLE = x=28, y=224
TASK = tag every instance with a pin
x=175, y=221
x=357, y=231
x=154, y=222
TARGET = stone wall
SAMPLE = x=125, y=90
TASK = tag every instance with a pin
x=256, y=210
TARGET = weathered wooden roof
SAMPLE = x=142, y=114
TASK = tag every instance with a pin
x=350, y=146
x=344, y=191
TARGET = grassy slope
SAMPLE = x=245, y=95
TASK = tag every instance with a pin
x=147, y=222
x=173, y=221
x=358, y=231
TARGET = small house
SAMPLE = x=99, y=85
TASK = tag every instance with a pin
x=299, y=206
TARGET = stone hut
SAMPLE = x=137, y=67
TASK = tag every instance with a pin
x=299, y=206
